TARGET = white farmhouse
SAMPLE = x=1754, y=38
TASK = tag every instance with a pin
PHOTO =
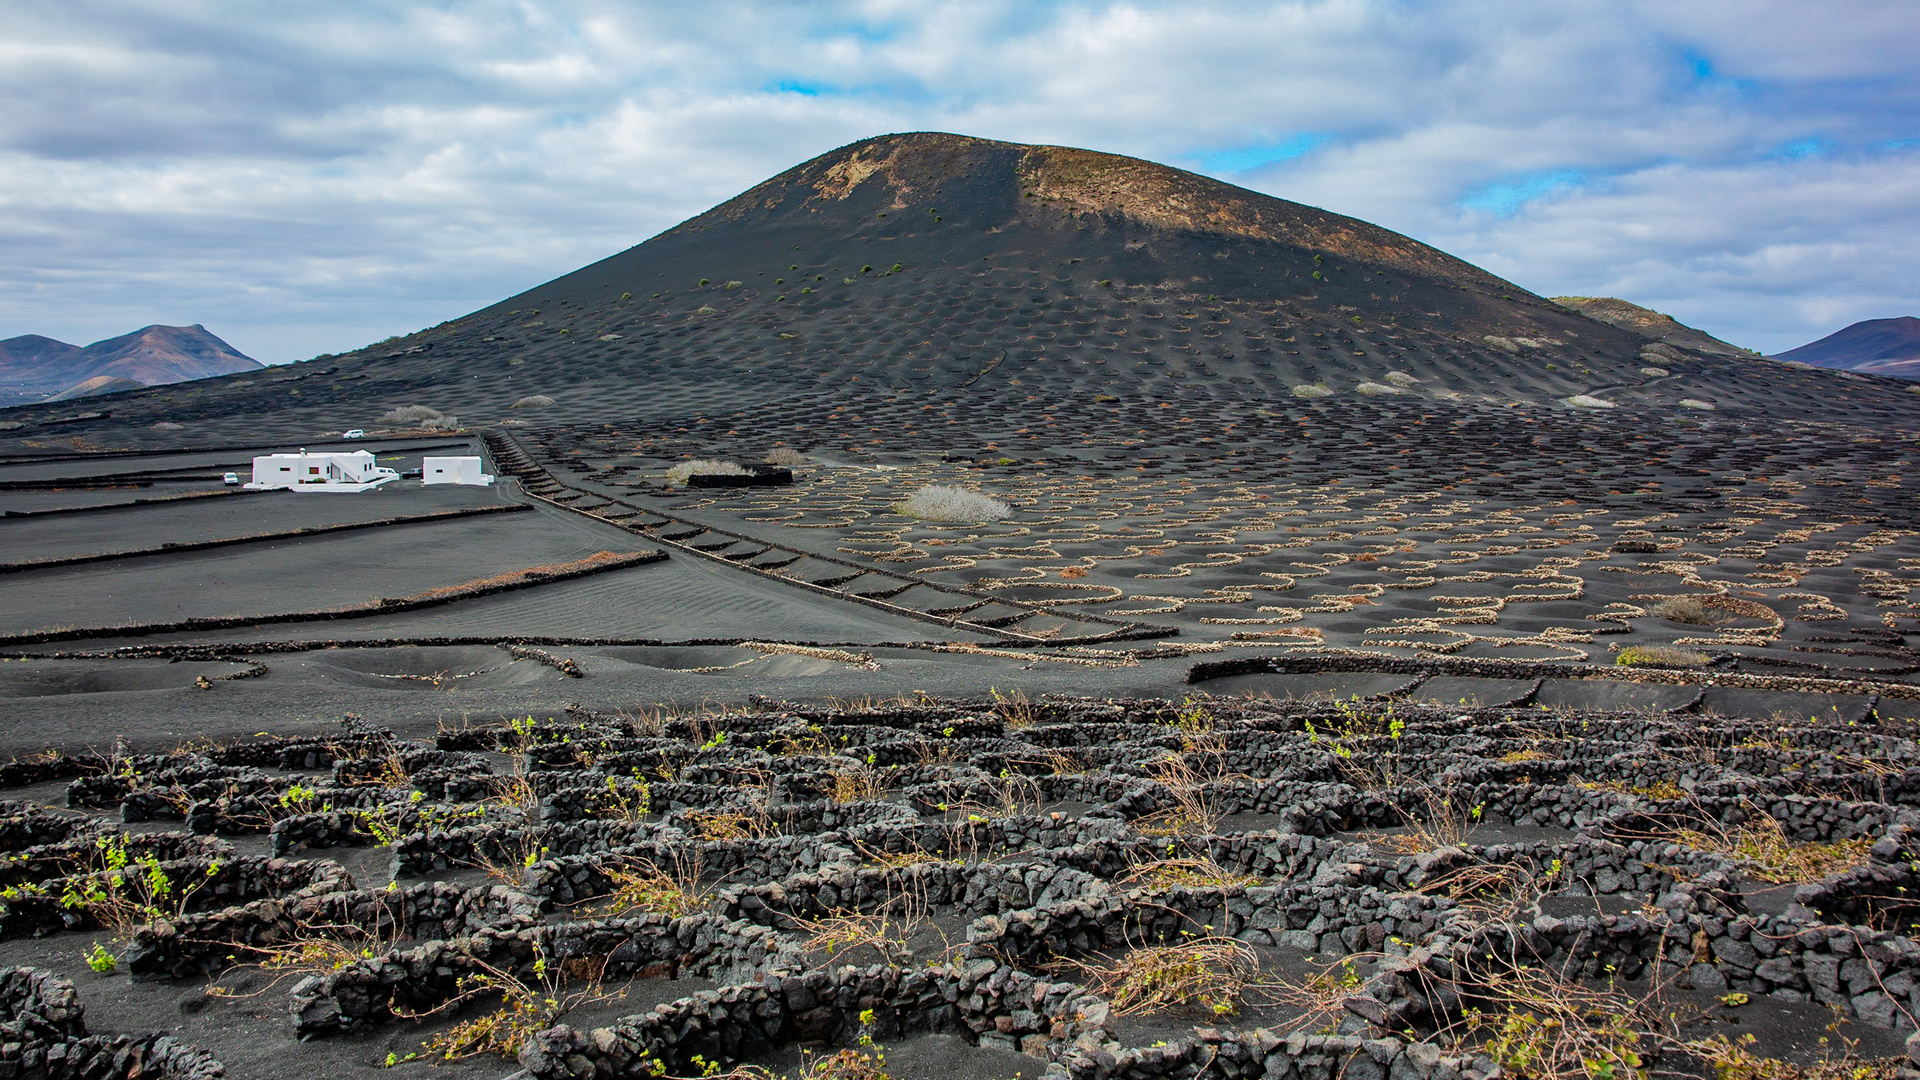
x=453, y=470
x=319, y=471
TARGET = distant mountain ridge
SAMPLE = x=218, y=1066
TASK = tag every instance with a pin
x=1873, y=347
x=1649, y=324
x=35, y=367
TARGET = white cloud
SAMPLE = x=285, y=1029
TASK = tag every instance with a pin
x=308, y=178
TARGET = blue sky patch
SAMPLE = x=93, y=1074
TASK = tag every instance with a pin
x=1242, y=159
x=1504, y=199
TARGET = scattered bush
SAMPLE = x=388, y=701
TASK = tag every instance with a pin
x=937, y=502
x=1374, y=389
x=1696, y=403
x=533, y=401
x=167, y=425
x=1667, y=656
x=1402, y=379
x=704, y=467
x=786, y=457
x=1505, y=345
x=1588, y=401
x=100, y=960
x=1656, y=372
x=705, y=309
x=1692, y=610
x=1309, y=390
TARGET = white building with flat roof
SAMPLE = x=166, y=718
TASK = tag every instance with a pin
x=319, y=471
x=453, y=470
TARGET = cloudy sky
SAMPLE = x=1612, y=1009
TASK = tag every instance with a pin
x=310, y=177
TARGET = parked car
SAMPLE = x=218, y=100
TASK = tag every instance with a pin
x=356, y=433
x=231, y=479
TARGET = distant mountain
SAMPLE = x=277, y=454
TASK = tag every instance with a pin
x=34, y=367
x=1649, y=324
x=1874, y=347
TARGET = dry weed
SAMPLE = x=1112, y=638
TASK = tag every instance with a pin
x=1015, y=710
x=858, y=782
x=750, y=824
x=1199, y=873
x=1691, y=610
x=1213, y=972
x=1770, y=855
x=524, y=1010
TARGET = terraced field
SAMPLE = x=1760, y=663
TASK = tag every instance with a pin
x=1061, y=887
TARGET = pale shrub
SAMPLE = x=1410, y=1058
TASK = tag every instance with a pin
x=1656, y=372
x=533, y=401
x=1402, y=379
x=1588, y=401
x=408, y=414
x=1309, y=390
x=167, y=425
x=704, y=467
x=937, y=502
x=1374, y=389
x=443, y=422
x=1696, y=403
x=786, y=457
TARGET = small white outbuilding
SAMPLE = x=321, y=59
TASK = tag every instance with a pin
x=319, y=471
x=453, y=470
